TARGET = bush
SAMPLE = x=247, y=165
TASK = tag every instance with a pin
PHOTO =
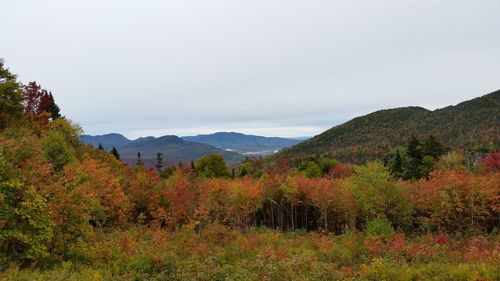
x=380, y=227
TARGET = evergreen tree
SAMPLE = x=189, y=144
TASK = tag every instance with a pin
x=414, y=163
x=100, y=147
x=192, y=165
x=396, y=165
x=53, y=108
x=414, y=148
x=159, y=161
x=139, y=162
x=114, y=151
x=433, y=147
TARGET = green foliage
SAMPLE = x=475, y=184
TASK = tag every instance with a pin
x=311, y=170
x=377, y=195
x=380, y=227
x=70, y=131
x=396, y=165
x=433, y=147
x=452, y=161
x=249, y=167
x=25, y=226
x=167, y=172
x=213, y=165
x=417, y=160
x=53, y=108
x=413, y=166
x=327, y=164
x=57, y=150
x=10, y=96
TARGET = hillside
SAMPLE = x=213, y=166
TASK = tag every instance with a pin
x=172, y=147
x=473, y=124
x=245, y=144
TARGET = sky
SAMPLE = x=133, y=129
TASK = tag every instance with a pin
x=266, y=67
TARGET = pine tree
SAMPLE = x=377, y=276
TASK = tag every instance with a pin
x=53, y=108
x=396, y=166
x=159, y=161
x=100, y=147
x=433, y=147
x=114, y=151
x=192, y=165
x=139, y=162
x=413, y=165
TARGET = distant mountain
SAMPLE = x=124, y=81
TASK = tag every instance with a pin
x=474, y=124
x=173, y=148
x=107, y=140
x=245, y=144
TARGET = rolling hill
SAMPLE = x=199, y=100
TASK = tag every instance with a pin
x=474, y=124
x=174, y=149
x=245, y=144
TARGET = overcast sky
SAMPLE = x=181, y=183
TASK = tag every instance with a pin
x=268, y=67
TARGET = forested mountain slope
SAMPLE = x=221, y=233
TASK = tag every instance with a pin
x=474, y=124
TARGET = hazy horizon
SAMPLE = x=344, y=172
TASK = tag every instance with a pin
x=271, y=68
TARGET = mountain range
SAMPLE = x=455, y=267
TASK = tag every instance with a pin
x=233, y=146
x=244, y=144
x=472, y=125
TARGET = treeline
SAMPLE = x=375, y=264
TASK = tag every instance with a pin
x=55, y=192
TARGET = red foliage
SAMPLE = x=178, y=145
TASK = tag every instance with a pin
x=340, y=171
x=491, y=162
x=441, y=239
x=36, y=99
x=397, y=243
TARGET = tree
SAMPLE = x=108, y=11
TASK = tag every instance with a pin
x=311, y=170
x=396, y=165
x=114, y=151
x=327, y=164
x=377, y=195
x=36, y=99
x=159, y=161
x=25, y=225
x=57, y=150
x=213, y=165
x=10, y=96
x=491, y=162
x=53, y=108
x=433, y=147
x=139, y=162
x=167, y=172
x=451, y=161
x=414, y=152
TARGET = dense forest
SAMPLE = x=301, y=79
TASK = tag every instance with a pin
x=471, y=126
x=423, y=210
